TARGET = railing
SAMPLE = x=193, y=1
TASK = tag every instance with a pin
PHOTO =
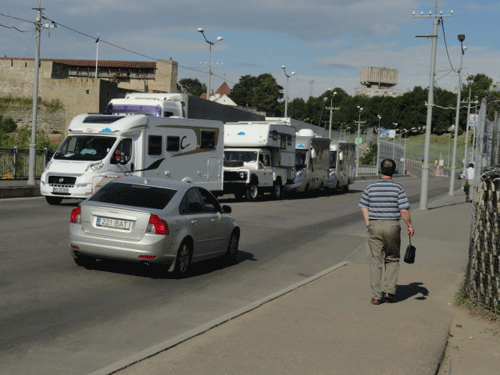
x=14, y=162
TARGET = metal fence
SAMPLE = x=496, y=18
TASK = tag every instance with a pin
x=482, y=281
x=14, y=162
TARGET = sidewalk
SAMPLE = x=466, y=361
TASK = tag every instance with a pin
x=18, y=189
x=326, y=325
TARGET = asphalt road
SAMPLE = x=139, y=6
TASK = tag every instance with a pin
x=58, y=318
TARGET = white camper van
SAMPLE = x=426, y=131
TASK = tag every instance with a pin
x=311, y=162
x=258, y=157
x=342, y=170
x=102, y=147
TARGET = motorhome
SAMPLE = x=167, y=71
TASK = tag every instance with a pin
x=177, y=105
x=103, y=147
x=259, y=157
x=311, y=162
x=342, y=169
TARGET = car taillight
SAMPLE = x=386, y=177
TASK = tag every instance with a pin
x=76, y=215
x=157, y=225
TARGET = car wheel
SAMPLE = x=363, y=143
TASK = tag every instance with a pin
x=277, y=190
x=53, y=200
x=252, y=192
x=232, y=248
x=183, y=259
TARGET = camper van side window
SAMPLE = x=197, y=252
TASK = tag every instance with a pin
x=173, y=143
x=154, y=145
x=207, y=139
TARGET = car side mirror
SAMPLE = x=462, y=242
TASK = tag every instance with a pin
x=341, y=156
x=226, y=209
x=313, y=153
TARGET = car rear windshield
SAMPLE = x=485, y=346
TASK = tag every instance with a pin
x=134, y=195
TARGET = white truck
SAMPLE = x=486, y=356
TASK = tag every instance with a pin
x=312, y=154
x=342, y=171
x=102, y=147
x=259, y=157
x=177, y=105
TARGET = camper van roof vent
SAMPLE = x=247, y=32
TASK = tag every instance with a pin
x=103, y=119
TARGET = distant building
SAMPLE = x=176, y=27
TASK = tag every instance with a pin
x=221, y=95
x=73, y=83
x=378, y=82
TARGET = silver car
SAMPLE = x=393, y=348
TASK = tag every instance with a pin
x=152, y=221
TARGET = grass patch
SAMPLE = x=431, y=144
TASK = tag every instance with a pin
x=10, y=102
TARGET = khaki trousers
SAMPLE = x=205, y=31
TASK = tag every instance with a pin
x=383, y=243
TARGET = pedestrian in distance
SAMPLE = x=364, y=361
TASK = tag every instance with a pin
x=468, y=181
x=383, y=204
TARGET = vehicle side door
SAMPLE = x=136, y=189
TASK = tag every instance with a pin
x=220, y=224
x=199, y=221
x=122, y=158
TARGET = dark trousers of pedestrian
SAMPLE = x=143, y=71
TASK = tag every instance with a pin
x=467, y=188
x=383, y=243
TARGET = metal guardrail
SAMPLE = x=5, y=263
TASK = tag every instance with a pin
x=14, y=162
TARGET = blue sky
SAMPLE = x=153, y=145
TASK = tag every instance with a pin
x=324, y=41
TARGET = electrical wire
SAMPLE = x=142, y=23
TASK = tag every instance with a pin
x=15, y=28
x=441, y=21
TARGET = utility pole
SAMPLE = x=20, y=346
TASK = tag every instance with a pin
x=32, y=152
x=430, y=101
x=331, y=108
x=311, y=82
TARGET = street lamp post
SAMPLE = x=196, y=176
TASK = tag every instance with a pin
x=210, y=44
x=378, y=144
x=470, y=78
x=394, y=141
x=461, y=38
x=331, y=108
x=286, y=92
x=358, y=141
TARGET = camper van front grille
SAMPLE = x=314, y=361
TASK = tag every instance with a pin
x=234, y=176
x=61, y=181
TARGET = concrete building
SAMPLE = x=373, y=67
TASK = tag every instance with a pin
x=73, y=82
x=378, y=82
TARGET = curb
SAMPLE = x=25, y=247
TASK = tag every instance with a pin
x=147, y=353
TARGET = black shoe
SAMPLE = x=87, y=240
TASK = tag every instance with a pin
x=390, y=297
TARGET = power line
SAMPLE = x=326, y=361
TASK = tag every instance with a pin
x=15, y=28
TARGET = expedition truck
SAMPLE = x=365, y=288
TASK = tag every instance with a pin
x=312, y=155
x=259, y=157
x=342, y=170
x=102, y=147
x=177, y=105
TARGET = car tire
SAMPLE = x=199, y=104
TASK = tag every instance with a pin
x=183, y=259
x=53, y=200
x=277, y=190
x=232, y=248
x=252, y=192
x=239, y=195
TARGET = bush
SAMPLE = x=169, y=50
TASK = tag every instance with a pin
x=7, y=125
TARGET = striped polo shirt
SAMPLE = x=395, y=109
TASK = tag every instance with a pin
x=384, y=199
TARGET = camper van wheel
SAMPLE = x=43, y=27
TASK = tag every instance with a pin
x=53, y=200
x=183, y=259
x=345, y=189
x=277, y=190
x=252, y=192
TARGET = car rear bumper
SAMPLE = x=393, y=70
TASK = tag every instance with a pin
x=152, y=248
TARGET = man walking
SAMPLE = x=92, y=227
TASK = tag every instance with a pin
x=468, y=181
x=383, y=203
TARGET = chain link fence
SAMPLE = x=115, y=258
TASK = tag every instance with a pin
x=14, y=162
x=482, y=281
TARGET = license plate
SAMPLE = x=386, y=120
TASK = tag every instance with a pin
x=113, y=223
x=60, y=190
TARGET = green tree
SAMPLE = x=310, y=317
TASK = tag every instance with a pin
x=262, y=92
x=191, y=85
x=7, y=125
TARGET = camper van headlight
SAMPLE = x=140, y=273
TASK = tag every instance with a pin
x=94, y=166
x=299, y=175
x=242, y=175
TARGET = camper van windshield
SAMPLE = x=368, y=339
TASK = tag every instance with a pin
x=133, y=109
x=84, y=148
x=333, y=159
x=300, y=159
x=245, y=156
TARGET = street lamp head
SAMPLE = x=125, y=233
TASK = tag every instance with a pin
x=283, y=67
x=292, y=73
x=461, y=38
x=379, y=117
x=220, y=38
x=200, y=30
